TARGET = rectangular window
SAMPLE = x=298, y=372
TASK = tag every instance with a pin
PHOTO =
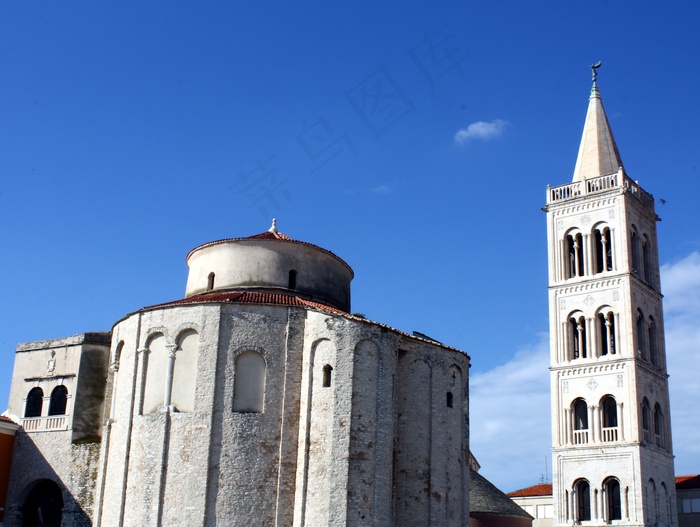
x=695, y=504
x=545, y=511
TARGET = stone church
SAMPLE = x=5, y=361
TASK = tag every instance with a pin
x=259, y=399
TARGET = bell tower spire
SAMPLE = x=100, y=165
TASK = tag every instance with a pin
x=611, y=428
x=598, y=154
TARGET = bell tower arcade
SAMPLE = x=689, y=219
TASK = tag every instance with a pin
x=611, y=431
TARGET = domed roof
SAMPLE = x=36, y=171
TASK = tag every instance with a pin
x=270, y=260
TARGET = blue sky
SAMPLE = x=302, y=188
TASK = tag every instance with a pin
x=133, y=132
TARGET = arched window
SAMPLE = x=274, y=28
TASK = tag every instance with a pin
x=652, y=342
x=35, y=400
x=635, y=264
x=658, y=426
x=603, y=250
x=609, y=419
x=184, y=381
x=577, y=336
x=583, y=499
x=210, y=281
x=646, y=260
x=646, y=420
x=59, y=400
x=641, y=335
x=249, y=382
x=580, y=413
x=606, y=332
x=613, y=501
x=327, y=375
x=574, y=255
x=292, y=279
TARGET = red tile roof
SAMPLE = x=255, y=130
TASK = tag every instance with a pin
x=541, y=489
x=7, y=420
x=269, y=235
x=249, y=297
x=691, y=481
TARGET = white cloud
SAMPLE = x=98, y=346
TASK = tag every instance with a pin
x=480, y=130
x=510, y=404
x=509, y=418
x=381, y=189
x=681, y=286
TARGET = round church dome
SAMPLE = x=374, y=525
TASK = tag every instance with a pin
x=270, y=260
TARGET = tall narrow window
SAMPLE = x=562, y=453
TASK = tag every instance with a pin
x=249, y=382
x=603, y=250
x=646, y=260
x=35, y=400
x=59, y=400
x=327, y=375
x=574, y=250
x=652, y=342
x=658, y=426
x=606, y=332
x=646, y=420
x=577, y=337
x=635, y=263
x=450, y=400
x=641, y=335
x=583, y=496
x=609, y=419
x=614, y=502
x=292, y=279
x=580, y=413
x=210, y=281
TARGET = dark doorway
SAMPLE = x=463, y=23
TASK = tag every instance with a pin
x=44, y=506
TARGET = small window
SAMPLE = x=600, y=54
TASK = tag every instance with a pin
x=35, y=400
x=450, y=400
x=327, y=374
x=292, y=279
x=210, y=281
x=59, y=400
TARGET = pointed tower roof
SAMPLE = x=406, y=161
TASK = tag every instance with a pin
x=597, y=155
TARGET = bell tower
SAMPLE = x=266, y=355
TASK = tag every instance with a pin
x=611, y=430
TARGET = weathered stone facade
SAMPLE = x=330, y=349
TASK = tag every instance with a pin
x=259, y=400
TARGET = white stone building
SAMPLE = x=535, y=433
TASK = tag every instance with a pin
x=611, y=431
x=258, y=399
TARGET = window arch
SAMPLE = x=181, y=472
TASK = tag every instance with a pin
x=613, y=499
x=583, y=500
x=646, y=420
x=35, y=402
x=603, y=249
x=609, y=406
x=579, y=410
x=605, y=321
x=210, y=281
x=574, y=254
x=658, y=426
x=652, y=342
x=59, y=400
x=292, y=279
x=641, y=335
x=249, y=382
x=577, y=336
x=327, y=375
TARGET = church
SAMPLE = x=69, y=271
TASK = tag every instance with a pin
x=260, y=399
